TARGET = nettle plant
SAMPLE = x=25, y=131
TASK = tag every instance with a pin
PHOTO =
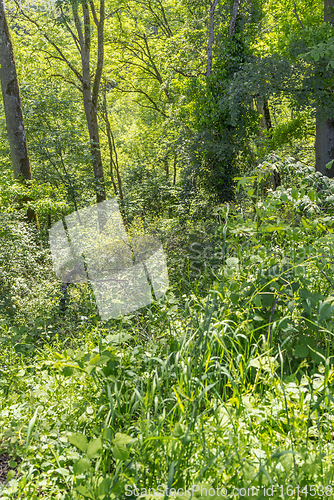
x=276, y=267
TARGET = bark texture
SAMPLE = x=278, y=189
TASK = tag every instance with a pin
x=12, y=102
x=324, y=142
x=213, y=6
x=233, y=18
x=324, y=146
x=13, y=112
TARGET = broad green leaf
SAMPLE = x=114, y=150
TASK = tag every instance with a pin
x=232, y=261
x=62, y=471
x=81, y=466
x=329, y=164
x=119, y=449
x=326, y=311
x=122, y=438
x=84, y=491
x=79, y=440
x=120, y=452
x=104, y=487
x=178, y=431
x=67, y=371
x=311, y=194
x=318, y=355
x=10, y=474
x=301, y=351
x=257, y=301
x=257, y=318
x=294, y=194
x=94, y=448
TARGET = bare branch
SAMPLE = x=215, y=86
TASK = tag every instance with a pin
x=298, y=18
x=67, y=81
x=140, y=91
x=55, y=46
x=75, y=38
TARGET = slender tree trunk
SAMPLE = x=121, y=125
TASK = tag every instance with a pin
x=13, y=110
x=166, y=164
x=112, y=152
x=112, y=148
x=324, y=142
x=263, y=109
x=211, y=36
x=267, y=117
x=90, y=96
x=175, y=165
x=234, y=17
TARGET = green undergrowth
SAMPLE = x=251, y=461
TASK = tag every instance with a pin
x=224, y=391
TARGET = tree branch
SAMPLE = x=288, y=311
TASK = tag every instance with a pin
x=298, y=18
x=100, y=51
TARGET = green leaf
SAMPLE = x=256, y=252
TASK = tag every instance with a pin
x=10, y=475
x=119, y=449
x=178, y=431
x=301, y=351
x=329, y=164
x=62, y=471
x=30, y=428
x=84, y=491
x=257, y=301
x=104, y=487
x=232, y=261
x=81, y=466
x=326, y=311
x=318, y=355
x=122, y=438
x=120, y=452
x=97, y=360
x=306, y=304
x=234, y=298
x=67, y=371
x=94, y=448
x=79, y=440
x=257, y=318
x=294, y=194
x=311, y=195
x=171, y=475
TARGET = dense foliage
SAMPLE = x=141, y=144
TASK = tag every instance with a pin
x=223, y=386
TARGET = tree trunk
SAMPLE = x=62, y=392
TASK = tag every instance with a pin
x=175, y=165
x=324, y=141
x=233, y=18
x=13, y=109
x=112, y=150
x=263, y=109
x=90, y=97
x=324, y=146
x=12, y=102
x=213, y=6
